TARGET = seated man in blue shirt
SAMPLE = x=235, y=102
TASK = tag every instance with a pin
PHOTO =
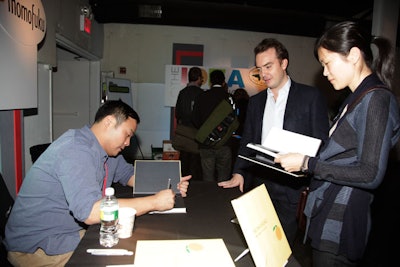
x=61, y=193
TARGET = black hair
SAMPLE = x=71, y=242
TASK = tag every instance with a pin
x=217, y=77
x=240, y=93
x=341, y=37
x=119, y=109
x=281, y=51
x=194, y=74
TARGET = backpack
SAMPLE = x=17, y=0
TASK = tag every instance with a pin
x=219, y=126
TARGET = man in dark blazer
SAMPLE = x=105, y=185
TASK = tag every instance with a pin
x=287, y=105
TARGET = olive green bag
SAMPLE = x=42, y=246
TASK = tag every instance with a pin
x=184, y=139
x=219, y=126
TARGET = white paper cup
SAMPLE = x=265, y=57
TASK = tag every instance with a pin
x=126, y=220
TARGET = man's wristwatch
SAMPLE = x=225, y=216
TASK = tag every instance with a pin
x=304, y=165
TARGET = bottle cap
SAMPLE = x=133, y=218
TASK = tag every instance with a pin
x=109, y=191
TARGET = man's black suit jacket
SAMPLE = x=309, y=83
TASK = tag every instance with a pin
x=306, y=113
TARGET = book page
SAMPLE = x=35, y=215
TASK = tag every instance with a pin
x=183, y=252
x=285, y=141
x=261, y=228
x=262, y=149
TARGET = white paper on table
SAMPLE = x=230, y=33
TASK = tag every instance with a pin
x=182, y=253
x=171, y=211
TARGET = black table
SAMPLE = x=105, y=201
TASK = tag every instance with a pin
x=208, y=215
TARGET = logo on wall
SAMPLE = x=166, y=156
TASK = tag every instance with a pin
x=24, y=21
x=255, y=78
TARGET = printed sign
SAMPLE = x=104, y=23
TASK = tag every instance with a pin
x=176, y=80
x=24, y=20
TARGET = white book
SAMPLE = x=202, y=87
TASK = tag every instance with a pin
x=280, y=141
x=284, y=141
x=262, y=149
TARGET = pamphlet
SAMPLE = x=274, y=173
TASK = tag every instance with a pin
x=261, y=228
x=182, y=252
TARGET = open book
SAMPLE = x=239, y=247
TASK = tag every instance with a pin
x=261, y=228
x=182, y=253
x=263, y=149
x=281, y=141
x=266, y=162
x=284, y=141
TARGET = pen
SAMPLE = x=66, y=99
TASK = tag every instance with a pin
x=235, y=220
x=169, y=184
x=242, y=254
x=109, y=252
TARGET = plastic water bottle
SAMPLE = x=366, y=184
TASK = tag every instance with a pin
x=109, y=219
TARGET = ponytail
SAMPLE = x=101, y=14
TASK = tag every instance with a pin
x=383, y=63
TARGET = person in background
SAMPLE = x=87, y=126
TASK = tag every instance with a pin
x=216, y=163
x=241, y=101
x=287, y=105
x=61, y=193
x=354, y=159
x=190, y=162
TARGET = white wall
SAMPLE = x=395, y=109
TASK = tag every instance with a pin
x=34, y=135
x=145, y=50
x=70, y=96
x=155, y=122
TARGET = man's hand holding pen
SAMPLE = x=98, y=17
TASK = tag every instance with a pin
x=169, y=183
x=165, y=199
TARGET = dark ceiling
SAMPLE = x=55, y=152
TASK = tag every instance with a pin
x=272, y=16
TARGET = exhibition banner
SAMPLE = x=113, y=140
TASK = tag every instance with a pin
x=176, y=78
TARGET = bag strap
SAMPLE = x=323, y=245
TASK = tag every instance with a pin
x=358, y=99
x=351, y=105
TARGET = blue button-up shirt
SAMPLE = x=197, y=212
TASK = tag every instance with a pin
x=59, y=191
